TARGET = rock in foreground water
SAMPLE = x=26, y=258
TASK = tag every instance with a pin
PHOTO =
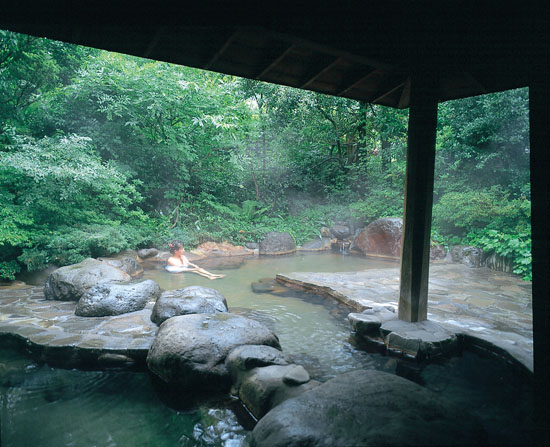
x=190, y=350
x=71, y=282
x=116, y=299
x=367, y=408
x=261, y=389
x=186, y=301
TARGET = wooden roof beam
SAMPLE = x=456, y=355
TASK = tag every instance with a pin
x=477, y=82
x=388, y=87
x=275, y=62
x=351, y=84
x=325, y=49
x=150, y=46
x=319, y=73
x=405, y=97
x=222, y=49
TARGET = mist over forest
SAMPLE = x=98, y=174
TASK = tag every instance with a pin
x=102, y=152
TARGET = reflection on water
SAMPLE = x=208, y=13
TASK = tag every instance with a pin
x=43, y=406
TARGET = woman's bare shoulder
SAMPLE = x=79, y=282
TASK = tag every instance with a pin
x=173, y=261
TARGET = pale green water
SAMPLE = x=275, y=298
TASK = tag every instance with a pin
x=46, y=407
x=313, y=330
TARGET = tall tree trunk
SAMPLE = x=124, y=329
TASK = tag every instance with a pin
x=264, y=150
x=255, y=181
x=386, y=158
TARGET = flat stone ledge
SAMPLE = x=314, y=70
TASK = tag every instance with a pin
x=50, y=331
x=420, y=340
x=480, y=304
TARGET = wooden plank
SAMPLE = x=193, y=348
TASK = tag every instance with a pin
x=222, y=49
x=320, y=73
x=354, y=83
x=275, y=62
x=152, y=43
x=405, y=98
x=387, y=88
x=417, y=215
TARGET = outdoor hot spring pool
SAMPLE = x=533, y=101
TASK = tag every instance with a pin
x=45, y=406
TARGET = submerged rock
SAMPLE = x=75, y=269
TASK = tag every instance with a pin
x=116, y=299
x=71, y=282
x=367, y=408
x=275, y=243
x=190, y=300
x=190, y=350
x=269, y=285
x=222, y=262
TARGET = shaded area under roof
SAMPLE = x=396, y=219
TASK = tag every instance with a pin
x=360, y=50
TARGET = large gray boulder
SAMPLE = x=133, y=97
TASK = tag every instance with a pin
x=71, y=282
x=340, y=231
x=275, y=243
x=190, y=300
x=261, y=389
x=244, y=358
x=189, y=350
x=145, y=253
x=367, y=408
x=116, y=299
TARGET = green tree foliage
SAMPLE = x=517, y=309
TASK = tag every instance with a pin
x=58, y=188
x=482, y=190
x=101, y=152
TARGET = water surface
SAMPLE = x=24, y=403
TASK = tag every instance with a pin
x=312, y=329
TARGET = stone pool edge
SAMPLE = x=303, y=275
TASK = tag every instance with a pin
x=505, y=349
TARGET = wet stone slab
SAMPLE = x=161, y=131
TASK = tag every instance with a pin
x=480, y=305
x=51, y=332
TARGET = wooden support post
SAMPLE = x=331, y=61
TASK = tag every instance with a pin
x=417, y=215
x=539, y=110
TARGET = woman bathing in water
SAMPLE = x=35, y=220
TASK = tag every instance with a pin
x=179, y=263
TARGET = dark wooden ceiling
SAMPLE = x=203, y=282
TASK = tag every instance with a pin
x=362, y=50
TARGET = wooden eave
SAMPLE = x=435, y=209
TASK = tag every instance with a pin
x=359, y=50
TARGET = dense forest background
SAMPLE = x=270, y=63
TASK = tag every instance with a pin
x=101, y=152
